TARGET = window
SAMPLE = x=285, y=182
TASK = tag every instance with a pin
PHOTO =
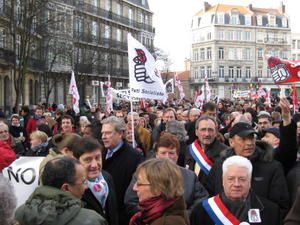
x=247, y=35
x=238, y=72
x=2, y=38
x=231, y=54
x=238, y=35
x=294, y=57
x=298, y=44
x=141, y=17
x=259, y=73
x=130, y=14
x=248, y=21
x=95, y=3
x=221, y=35
x=260, y=53
x=202, y=53
x=229, y=35
x=199, y=21
x=259, y=20
x=107, y=31
x=284, y=22
x=119, y=35
x=272, y=20
x=196, y=72
x=234, y=19
x=208, y=71
x=230, y=71
x=118, y=9
x=95, y=29
x=209, y=36
x=298, y=57
x=221, y=53
x=196, y=55
x=221, y=71
x=208, y=53
x=247, y=54
x=284, y=55
x=239, y=54
x=202, y=72
x=107, y=5
x=248, y=72
x=260, y=37
x=220, y=17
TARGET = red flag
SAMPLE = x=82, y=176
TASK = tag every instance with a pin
x=284, y=71
x=294, y=98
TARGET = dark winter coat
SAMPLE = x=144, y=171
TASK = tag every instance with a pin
x=213, y=153
x=110, y=213
x=269, y=212
x=121, y=167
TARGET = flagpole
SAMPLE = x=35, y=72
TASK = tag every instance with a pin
x=132, y=123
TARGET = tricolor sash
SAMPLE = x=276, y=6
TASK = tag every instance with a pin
x=200, y=157
x=218, y=212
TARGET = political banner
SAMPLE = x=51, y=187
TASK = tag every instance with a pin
x=144, y=79
x=241, y=94
x=284, y=71
x=123, y=94
x=24, y=176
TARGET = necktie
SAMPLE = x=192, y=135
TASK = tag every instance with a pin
x=109, y=154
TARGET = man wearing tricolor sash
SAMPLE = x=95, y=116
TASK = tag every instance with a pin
x=205, y=149
x=237, y=204
x=268, y=179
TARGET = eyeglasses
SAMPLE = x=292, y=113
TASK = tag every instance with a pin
x=84, y=182
x=138, y=184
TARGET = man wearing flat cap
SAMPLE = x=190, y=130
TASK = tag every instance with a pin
x=268, y=179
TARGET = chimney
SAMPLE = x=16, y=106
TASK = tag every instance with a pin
x=250, y=7
x=206, y=6
x=282, y=8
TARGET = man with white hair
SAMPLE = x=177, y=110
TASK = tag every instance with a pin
x=237, y=204
x=268, y=179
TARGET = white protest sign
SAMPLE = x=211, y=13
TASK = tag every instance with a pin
x=124, y=94
x=24, y=176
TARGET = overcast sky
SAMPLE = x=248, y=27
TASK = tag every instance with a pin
x=172, y=20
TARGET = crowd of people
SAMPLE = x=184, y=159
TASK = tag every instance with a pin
x=230, y=162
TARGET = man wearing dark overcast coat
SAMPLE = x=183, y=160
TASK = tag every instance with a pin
x=119, y=159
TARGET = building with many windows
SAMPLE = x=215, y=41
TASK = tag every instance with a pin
x=295, y=46
x=86, y=36
x=229, y=43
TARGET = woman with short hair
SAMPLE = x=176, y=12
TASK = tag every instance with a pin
x=160, y=192
x=38, y=144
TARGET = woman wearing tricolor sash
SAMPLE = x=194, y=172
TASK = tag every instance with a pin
x=237, y=204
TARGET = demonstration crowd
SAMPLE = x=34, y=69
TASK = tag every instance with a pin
x=232, y=162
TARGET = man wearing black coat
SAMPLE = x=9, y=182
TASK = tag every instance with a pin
x=268, y=179
x=120, y=160
x=237, y=203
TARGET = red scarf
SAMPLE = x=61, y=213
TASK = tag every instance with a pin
x=151, y=209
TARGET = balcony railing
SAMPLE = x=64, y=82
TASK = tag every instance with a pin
x=85, y=7
x=100, y=69
x=7, y=55
x=277, y=41
x=36, y=64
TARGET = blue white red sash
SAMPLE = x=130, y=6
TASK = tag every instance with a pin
x=200, y=157
x=218, y=212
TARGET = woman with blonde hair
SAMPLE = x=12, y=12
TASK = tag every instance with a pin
x=38, y=144
x=160, y=192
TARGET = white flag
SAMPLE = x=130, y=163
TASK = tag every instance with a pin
x=169, y=86
x=109, y=97
x=75, y=94
x=206, y=89
x=144, y=79
x=179, y=86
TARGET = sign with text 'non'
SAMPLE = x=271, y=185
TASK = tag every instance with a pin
x=24, y=176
